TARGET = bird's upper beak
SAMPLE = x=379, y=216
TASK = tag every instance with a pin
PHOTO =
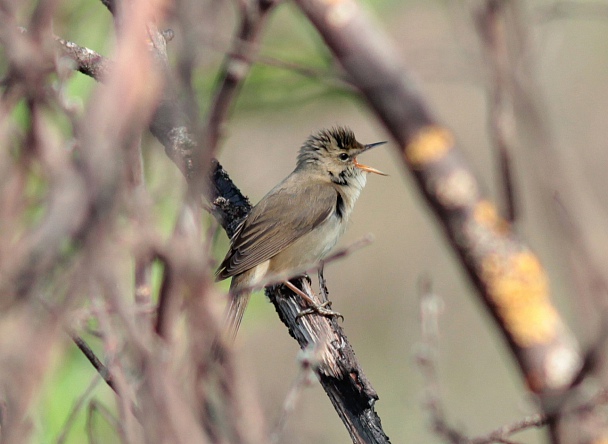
x=368, y=168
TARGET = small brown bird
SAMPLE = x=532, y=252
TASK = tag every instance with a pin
x=298, y=222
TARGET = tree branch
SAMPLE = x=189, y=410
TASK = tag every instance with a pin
x=508, y=275
x=94, y=360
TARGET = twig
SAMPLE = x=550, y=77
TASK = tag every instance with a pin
x=229, y=205
x=309, y=361
x=341, y=376
x=123, y=389
x=94, y=407
x=76, y=408
x=540, y=420
x=323, y=284
x=502, y=433
x=501, y=121
x=588, y=10
x=236, y=66
x=278, y=278
x=430, y=307
x=102, y=370
x=331, y=78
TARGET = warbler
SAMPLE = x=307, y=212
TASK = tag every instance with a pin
x=298, y=222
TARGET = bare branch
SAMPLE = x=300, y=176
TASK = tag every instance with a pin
x=503, y=433
x=88, y=62
x=308, y=361
x=102, y=370
x=236, y=66
x=588, y=10
x=501, y=121
x=426, y=357
x=76, y=409
x=343, y=379
x=278, y=278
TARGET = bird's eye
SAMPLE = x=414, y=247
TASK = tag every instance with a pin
x=343, y=156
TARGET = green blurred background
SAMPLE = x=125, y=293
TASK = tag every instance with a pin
x=375, y=288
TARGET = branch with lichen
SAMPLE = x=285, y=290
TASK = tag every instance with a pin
x=508, y=275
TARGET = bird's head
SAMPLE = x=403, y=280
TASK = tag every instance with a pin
x=334, y=152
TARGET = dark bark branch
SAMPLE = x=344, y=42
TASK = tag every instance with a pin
x=94, y=360
x=343, y=379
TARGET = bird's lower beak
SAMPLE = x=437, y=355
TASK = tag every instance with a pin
x=368, y=168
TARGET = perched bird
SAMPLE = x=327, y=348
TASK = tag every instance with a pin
x=298, y=222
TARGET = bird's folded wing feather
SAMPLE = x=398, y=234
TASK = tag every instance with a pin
x=275, y=223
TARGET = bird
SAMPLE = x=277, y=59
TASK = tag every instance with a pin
x=297, y=223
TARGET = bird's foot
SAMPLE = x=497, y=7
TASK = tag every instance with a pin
x=313, y=306
x=320, y=309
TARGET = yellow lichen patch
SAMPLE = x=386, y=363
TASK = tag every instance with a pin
x=485, y=214
x=518, y=287
x=430, y=144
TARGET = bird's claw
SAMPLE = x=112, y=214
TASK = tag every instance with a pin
x=320, y=309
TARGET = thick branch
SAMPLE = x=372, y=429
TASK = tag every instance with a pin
x=507, y=274
x=343, y=379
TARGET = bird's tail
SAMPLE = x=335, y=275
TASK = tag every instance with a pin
x=234, y=315
x=232, y=321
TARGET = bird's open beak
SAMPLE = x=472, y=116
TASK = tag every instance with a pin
x=368, y=168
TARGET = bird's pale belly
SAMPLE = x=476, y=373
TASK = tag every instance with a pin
x=309, y=249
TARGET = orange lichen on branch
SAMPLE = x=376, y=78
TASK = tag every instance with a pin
x=485, y=213
x=518, y=287
x=429, y=144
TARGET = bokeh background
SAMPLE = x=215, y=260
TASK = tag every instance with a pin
x=376, y=288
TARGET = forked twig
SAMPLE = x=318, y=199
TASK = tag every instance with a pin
x=309, y=362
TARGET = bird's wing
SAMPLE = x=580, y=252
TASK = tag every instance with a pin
x=267, y=231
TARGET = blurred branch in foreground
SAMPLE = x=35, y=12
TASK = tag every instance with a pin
x=508, y=275
x=339, y=372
